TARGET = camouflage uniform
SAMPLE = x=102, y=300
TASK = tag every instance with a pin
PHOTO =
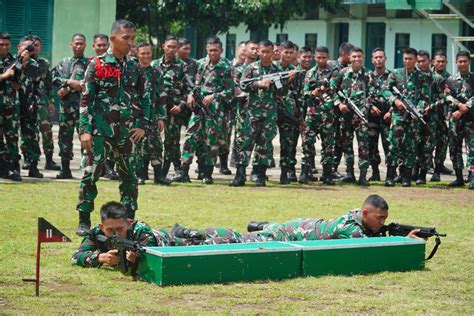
x=441, y=134
x=240, y=102
x=68, y=68
x=114, y=101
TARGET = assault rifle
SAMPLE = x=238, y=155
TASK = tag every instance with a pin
x=409, y=106
x=317, y=84
x=276, y=78
x=19, y=59
x=395, y=229
x=352, y=106
x=462, y=99
x=122, y=245
x=198, y=100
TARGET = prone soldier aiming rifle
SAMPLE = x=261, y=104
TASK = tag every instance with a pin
x=122, y=245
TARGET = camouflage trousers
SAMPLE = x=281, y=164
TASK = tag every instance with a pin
x=349, y=126
x=68, y=122
x=460, y=130
x=153, y=146
x=45, y=128
x=319, y=122
x=9, y=130
x=123, y=152
x=208, y=236
x=441, y=137
x=173, y=126
x=402, y=142
x=240, y=116
x=338, y=141
x=227, y=122
x=378, y=128
x=258, y=131
x=29, y=134
x=288, y=136
x=425, y=141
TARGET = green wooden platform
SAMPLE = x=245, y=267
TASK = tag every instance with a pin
x=279, y=260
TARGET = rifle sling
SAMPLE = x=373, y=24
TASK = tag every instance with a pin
x=435, y=248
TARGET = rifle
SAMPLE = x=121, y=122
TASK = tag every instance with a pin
x=352, y=106
x=395, y=229
x=198, y=101
x=276, y=78
x=19, y=59
x=409, y=106
x=122, y=245
x=462, y=99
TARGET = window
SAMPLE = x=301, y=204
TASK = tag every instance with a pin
x=438, y=43
x=259, y=35
x=281, y=37
x=403, y=14
x=342, y=35
x=375, y=39
x=230, y=43
x=311, y=40
x=376, y=10
x=402, y=41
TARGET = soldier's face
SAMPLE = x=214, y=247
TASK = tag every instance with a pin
x=322, y=59
x=170, y=48
x=251, y=50
x=378, y=59
x=214, y=52
x=423, y=63
x=184, y=51
x=305, y=60
x=241, y=51
x=144, y=55
x=409, y=61
x=78, y=45
x=100, y=46
x=287, y=55
x=373, y=218
x=463, y=64
x=38, y=48
x=123, y=40
x=356, y=59
x=5, y=45
x=439, y=63
x=277, y=53
x=118, y=226
x=22, y=46
x=266, y=54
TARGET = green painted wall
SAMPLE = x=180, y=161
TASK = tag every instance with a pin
x=86, y=16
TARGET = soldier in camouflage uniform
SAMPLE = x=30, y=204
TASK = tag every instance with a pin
x=114, y=111
x=174, y=92
x=379, y=115
x=9, y=121
x=460, y=97
x=319, y=119
x=415, y=86
x=214, y=81
x=355, y=83
x=67, y=76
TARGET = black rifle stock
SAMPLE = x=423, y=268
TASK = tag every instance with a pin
x=352, y=106
x=122, y=245
x=409, y=106
x=198, y=100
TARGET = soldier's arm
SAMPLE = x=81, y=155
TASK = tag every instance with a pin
x=87, y=255
x=425, y=93
x=87, y=99
x=142, y=111
x=59, y=78
x=160, y=101
x=225, y=92
x=248, y=74
x=144, y=235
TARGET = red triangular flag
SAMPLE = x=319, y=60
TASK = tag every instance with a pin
x=49, y=233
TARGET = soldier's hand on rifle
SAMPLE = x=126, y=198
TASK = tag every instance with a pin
x=110, y=258
x=24, y=55
x=463, y=108
x=343, y=108
x=316, y=92
x=399, y=104
x=375, y=111
x=190, y=101
x=292, y=75
x=457, y=115
x=207, y=100
x=175, y=109
x=86, y=141
x=74, y=85
x=137, y=134
x=413, y=233
x=63, y=92
x=161, y=126
x=264, y=84
x=8, y=73
x=387, y=116
x=131, y=256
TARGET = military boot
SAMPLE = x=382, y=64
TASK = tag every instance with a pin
x=224, y=169
x=50, y=164
x=261, y=176
x=254, y=173
x=3, y=167
x=146, y=164
x=182, y=175
x=398, y=176
x=26, y=163
x=185, y=233
x=200, y=169
x=350, y=177
x=34, y=172
x=292, y=174
x=109, y=170
x=363, y=178
x=284, y=176
x=445, y=170
x=84, y=223
x=415, y=172
x=335, y=174
x=254, y=226
x=159, y=176
x=326, y=177
x=471, y=181
x=177, y=165
x=239, y=179
x=166, y=167
x=13, y=171
x=436, y=177
x=312, y=161
x=305, y=170
x=390, y=180
x=422, y=177
x=140, y=176
x=207, y=175
x=65, y=172
x=375, y=173
x=406, y=177
x=459, y=182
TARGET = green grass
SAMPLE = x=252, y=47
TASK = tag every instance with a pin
x=445, y=286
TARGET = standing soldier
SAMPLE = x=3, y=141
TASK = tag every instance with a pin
x=215, y=83
x=113, y=116
x=9, y=153
x=319, y=119
x=67, y=76
x=414, y=85
x=460, y=98
x=184, y=53
x=174, y=92
x=379, y=115
x=354, y=82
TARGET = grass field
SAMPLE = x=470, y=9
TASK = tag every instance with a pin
x=444, y=287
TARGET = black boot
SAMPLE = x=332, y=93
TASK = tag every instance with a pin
x=284, y=176
x=84, y=224
x=207, y=178
x=363, y=178
x=254, y=173
x=312, y=161
x=406, y=178
x=109, y=170
x=200, y=170
x=159, y=176
x=13, y=171
x=166, y=167
x=422, y=177
x=305, y=170
x=3, y=167
x=326, y=177
x=375, y=173
x=177, y=165
x=350, y=177
x=224, y=169
x=146, y=164
x=335, y=174
x=445, y=170
x=292, y=174
x=390, y=180
x=65, y=172
x=398, y=178
x=471, y=181
x=34, y=172
x=182, y=175
x=50, y=164
x=261, y=176
x=459, y=182
x=140, y=176
x=256, y=226
x=239, y=179
x=26, y=163
x=185, y=233
x=416, y=172
x=436, y=177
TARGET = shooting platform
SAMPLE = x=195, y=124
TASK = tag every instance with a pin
x=279, y=260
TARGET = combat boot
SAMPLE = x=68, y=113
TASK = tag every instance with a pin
x=390, y=180
x=459, y=182
x=471, y=181
x=305, y=170
x=185, y=233
x=159, y=177
x=166, y=167
x=26, y=163
x=239, y=179
x=445, y=170
x=254, y=173
x=335, y=174
x=34, y=172
x=140, y=176
x=363, y=178
x=406, y=177
x=224, y=169
x=109, y=170
x=177, y=165
x=182, y=175
x=13, y=171
x=261, y=176
x=312, y=162
x=3, y=167
x=398, y=176
x=254, y=226
x=284, y=176
x=350, y=177
x=416, y=172
x=326, y=177
x=207, y=175
x=375, y=173
x=65, y=172
x=436, y=177
x=146, y=164
x=422, y=177
x=84, y=224
x=50, y=164
x=200, y=170
x=292, y=174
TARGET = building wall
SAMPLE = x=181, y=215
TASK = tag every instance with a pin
x=86, y=16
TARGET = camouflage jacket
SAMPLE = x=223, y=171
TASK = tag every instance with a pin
x=175, y=89
x=437, y=99
x=289, y=93
x=154, y=83
x=6, y=87
x=115, y=98
x=460, y=89
x=87, y=255
x=378, y=82
x=46, y=76
x=69, y=68
x=31, y=84
x=315, y=78
x=191, y=66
